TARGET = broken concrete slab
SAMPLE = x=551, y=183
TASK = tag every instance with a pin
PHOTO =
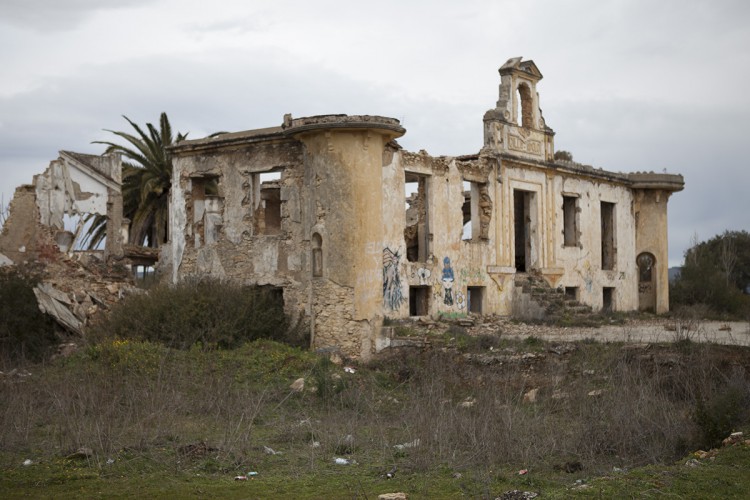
x=56, y=303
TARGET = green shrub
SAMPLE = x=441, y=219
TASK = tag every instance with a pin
x=207, y=312
x=25, y=332
x=718, y=414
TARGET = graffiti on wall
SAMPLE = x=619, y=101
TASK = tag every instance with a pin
x=424, y=275
x=448, y=278
x=460, y=300
x=392, y=295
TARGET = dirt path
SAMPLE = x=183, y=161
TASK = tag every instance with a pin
x=638, y=331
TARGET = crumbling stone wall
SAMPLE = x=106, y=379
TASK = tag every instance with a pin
x=23, y=237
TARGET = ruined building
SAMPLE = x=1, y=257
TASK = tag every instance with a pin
x=350, y=229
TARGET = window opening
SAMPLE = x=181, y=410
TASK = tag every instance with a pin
x=207, y=208
x=608, y=236
x=475, y=297
x=608, y=299
x=466, y=211
x=267, y=192
x=646, y=278
x=419, y=304
x=571, y=292
x=317, y=255
x=476, y=211
x=570, y=221
x=417, y=213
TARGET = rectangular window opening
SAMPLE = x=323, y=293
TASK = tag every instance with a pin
x=267, y=193
x=571, y=292
x=468, y=226
x=608, y=299
x=419, y=297
x=207, y=207
x=609, y=248
x=570, y=221
x=475, y=297
x=417, y=214
x=476, y=211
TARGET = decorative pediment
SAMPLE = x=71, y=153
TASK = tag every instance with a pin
x=516, y=65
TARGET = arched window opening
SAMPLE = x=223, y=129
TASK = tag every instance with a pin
x=317, y=255
x=646, y=263
x=523, y=111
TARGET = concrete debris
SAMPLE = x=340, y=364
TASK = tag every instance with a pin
x=733, y=438
x=270, y=451
x=56, y=303
x=410, y=444
x=692, y=463
x=5, y=261
x=596, y=393
x=393, y=496
x=27, y=462
x=344, y=461
x=298, y=385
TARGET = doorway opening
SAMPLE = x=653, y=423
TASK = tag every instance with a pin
x=523, y=228
x=419, y=300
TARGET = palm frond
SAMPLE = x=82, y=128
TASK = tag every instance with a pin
x=146, y=179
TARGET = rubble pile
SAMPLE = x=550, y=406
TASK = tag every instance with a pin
x=77, y=287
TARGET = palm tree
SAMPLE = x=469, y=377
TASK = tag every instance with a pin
x=146, y=181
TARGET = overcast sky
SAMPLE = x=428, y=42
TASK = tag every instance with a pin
x=628, y=85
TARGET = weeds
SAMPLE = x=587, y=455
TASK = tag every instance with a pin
x=596, y=406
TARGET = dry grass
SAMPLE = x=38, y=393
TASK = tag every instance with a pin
x=596, y=406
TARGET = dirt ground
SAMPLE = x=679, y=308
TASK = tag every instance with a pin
x=635, y=331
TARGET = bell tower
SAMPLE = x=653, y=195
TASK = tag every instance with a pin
x=516, y=125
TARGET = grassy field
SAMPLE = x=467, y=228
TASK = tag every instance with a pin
x=125, y=419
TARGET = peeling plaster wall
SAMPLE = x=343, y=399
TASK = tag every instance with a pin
x=582, y=263
x=650, y=207
x=468, y=261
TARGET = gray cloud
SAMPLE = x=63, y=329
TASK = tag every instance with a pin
x=56, y=15
x=628, y=85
